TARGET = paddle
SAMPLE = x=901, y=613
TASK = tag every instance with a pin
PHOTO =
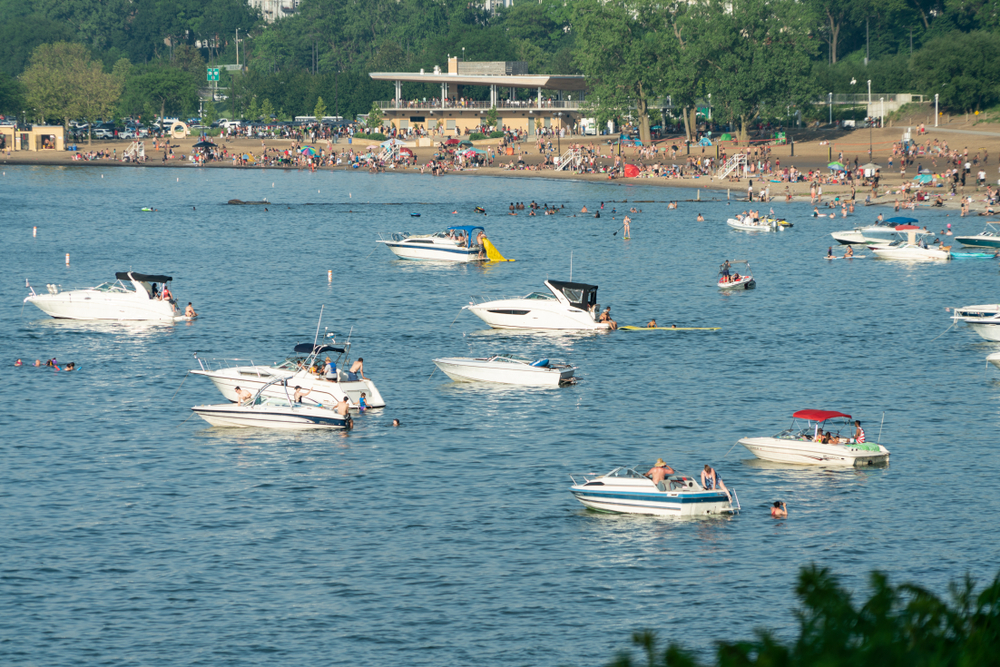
x=616, y=233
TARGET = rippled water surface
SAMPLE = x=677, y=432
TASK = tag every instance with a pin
x=133, y=533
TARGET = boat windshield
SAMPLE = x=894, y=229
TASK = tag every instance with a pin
x=116, y=286
x=541, y=295
x=625, y=472
x=840, y=430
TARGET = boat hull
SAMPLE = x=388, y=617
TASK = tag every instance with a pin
x=298, y=419
x=764, y=227
x=528, y=376
x=435, y=253
x=742, y=284
x=849, y=238
x=801, y=452
x=94, y=305
x=910, y=253
x=979, y=241
x=524, y=314
x=989, y=332
x=322, y=391
x=994, y=359
x=655, y=503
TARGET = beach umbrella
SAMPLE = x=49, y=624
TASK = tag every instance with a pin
x=308, y=150
x=204, y=144
x=726, y=137
x=405, y=151
x=631, y=171
x=704, y=141
x=465, y=142
x=836, y=166
x=870, y=166
x=452, y=142
x=924, y=178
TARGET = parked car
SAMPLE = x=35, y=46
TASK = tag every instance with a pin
x=102, y=133
x=127, y=134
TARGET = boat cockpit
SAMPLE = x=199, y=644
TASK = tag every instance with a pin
x=672, y=483
x=577, y=295
x=827, y=427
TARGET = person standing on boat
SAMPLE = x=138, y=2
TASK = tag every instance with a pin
x=659, y=472
x=299, y=394
x=357, y=369
x=725, y=271
x=859, y=433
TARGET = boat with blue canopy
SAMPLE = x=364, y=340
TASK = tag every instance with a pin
x=461, y=243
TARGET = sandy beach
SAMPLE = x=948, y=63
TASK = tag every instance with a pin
x=809, y=149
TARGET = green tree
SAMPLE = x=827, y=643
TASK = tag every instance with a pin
x=166, y=88
x=374, y=117
x=253, y=111
x=11, y=95
x=62, y=81
x=755, y=55
x=98, y=94
x=957, y=67
x=491, y=117
x=320, y=109
x=267, y=109
x=621, y=47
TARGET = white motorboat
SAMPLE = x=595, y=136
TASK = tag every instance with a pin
x=984, y=319
x=879, y=232
x=455, y=244
x=910, y=249
x=749, y=224
x=736, y=275
x=988, y=238
x=506, y=369
x=567, y=307
x=809, y=445
x=625, y=491
x=273, y=411
x=303, y=371
x=111, y=301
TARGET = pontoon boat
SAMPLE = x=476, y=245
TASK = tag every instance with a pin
x=506, y=369
x=567, y=307
x=809, y=445
x=110, y=301
x=623, y=490
x=455, y=244
x=273, y=406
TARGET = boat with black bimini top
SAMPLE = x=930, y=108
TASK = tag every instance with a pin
x=626, y=491
x=566, y=307
x=112, y=300
x=818, y=442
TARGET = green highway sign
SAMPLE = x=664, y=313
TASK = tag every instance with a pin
x=213, y=73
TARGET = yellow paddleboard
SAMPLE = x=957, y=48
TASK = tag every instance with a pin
x=670, y=328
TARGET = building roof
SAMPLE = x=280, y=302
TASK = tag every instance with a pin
x=547, y=81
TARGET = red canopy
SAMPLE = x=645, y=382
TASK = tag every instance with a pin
x=452, y=142
x=818, y=415
x=631, y=171
x=903, y=228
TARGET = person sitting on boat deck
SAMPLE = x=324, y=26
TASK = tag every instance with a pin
x=155, y=292
x=299, y=394
x=849, y=252
x=779, y=510
x=242, y=395
x=606, y=317
x=330, y=370
x=658, y=473
x=736, y=277
x=651, y=324
x=357, y=369
x=165, y=294
x=859, y=433
x=189, y=311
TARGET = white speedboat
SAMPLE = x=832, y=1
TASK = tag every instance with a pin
x=736, y=275
x=749, y=224
x=506, y=369
x=988, y=238
x=880, y=232
x=625, y=491
x=303, y=371
x=111, y=301
x=984, y=319
x=455, y=244
x=273, y=411
x=804, y=444
x=910, y=249
x=567, y=307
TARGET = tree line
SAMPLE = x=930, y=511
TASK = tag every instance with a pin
x=757, y=59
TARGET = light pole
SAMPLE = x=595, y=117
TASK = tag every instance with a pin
x=935, y=109
x=709, y=108
x=868, y=115
x=853, y=114
x=829, y=103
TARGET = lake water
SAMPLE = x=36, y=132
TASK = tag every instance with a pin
x=133, y=533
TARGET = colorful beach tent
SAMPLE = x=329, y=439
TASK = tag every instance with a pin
x=704, y=141
x=836, y=166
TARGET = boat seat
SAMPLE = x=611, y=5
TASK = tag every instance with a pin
x=541, y=363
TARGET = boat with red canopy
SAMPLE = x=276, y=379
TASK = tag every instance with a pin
x=819, y=437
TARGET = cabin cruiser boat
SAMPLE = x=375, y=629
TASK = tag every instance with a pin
x=803, y=444
x=984, y=319
x=111, y=301
x=756, y=224
x=506, y=369
x=567, y=307
x=988, y=238
x=883, y=231
x=736, y=275
x=910, y=249
x=625, y=491
x=273, y=406
x=455, y=244
x=228, y=374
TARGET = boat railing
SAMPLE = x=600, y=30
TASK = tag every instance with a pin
x=210, y=365
x=586, y=476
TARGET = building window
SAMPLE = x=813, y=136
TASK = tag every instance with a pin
x=548, y=121
x=449, y=125
x=404, y=124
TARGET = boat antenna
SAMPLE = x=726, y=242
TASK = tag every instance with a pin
x=879, y=441
x=318, y=324
x=349, y=334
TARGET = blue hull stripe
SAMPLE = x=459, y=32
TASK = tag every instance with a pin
x=658, y=498
x=460, y=251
